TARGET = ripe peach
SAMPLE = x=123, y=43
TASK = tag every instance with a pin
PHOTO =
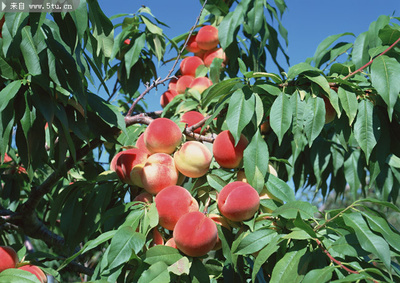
x=157, y=238
x=7, y=158
x=190, y=64
x=191, y=118
x=215, y=53
x=265, y=127
x=193, y=159
x=195, y=234
x=200, y=84
x=183, y=83
x=172, y=203
x=238, y=201
x=158, y=173
x=172, y=83
x=192, y=44
x=144, y=197
x=207, y=37
x=36, y=271
x=124, y=161
x=225, y=152
x=167, y=97
x=171, y=243
x=330, y=112
x=9, y=258
x=162, y=136
x=141, y=145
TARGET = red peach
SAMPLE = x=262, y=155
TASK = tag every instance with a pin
x=172, y=83
x=183, y=83
x=162, y=136
x=190, y=64
x=171, y=243
x=144, y=197
x=207, y=37
x=35, y=271
x=193, y=159
x=141, y=145
x=192, y=44
x=191, y=118
x=167, y=97
x=215, y=53
x=7, y=158
x=226, y=153
x=172, y=203
x=9, y=258
x=238, y=201
x=124, y=161
x=265, y=127
x=158, y=173
x=157, y=238
x=195, y=234
x=200, y=84
x=330, y=112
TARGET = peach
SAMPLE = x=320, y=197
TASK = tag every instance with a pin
x=157, y=238
x=226, y=153
x=192, y=44
x=124, y=161
x=158, y=173
x=171, y=243
x=219, y=220
x=190, y=64
x=238, y=201
x=172, y=203
x=144, y=197
x=167, y=97
x=195, y=234
x=172, y=83
x=207, y=38
x=141, y=145
x=9, y=258
x=183, y=83
x=330, y=112
x=7, y=158
x=162, y=136
x=215, y=53
x=193, y=159
x=200, y=84
x=36, y=271
x=265, y=127
x=191, y=118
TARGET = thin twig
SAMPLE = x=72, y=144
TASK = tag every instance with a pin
x=169, y=76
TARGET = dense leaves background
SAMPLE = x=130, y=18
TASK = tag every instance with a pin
x=79, y=216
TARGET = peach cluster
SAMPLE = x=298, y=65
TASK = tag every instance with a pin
x=204, y=45
x=9, y=259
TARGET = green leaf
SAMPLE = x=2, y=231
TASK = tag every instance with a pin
x=366, y=127
x=264, y=254
x=322, y=48
x=352, y=172
x=384, y=76
x=240, y=111
x=8, y=93
x=132, y=56
x=349, y=103
x=150, y=26
x=157, y=273
x=319, y=275
x=14, y=275
x=290, y=267
x=166, y=254
x=315, y=118
x=360, y=54
x=321, y=81
x=29, y=52
x=125, y=242
x=255, y=241
x=181, y=266
x=296, y=70
x=280, y=189
x=280, y=116
x=255, y=161
x=230, y=24
x=255, y=18
x=369, y=241
x=291, y=209
x=219, y=90
x=380, y=202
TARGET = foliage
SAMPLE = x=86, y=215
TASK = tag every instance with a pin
x=81, y=218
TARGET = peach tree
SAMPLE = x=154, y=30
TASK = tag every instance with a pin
x=79, y=201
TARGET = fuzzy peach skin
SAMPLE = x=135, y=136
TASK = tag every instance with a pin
x=226, y=153
x=200, y=84
x=195, y=234
x=183, y=83
x=158, y=173
x=192, y=44
x=193, y=159
x=172, y=203
x=167, y=97
x=171, y=243
x=162, y=136
x=209, y=56
x=190, y=64
x=124, y=161
x=192, y=117
x=144, y=197
x=157, y=238
x=8, y=258
x=36, y=271
x=330, y=112
x=238, y=201
x=207, y=38
x=141, y=145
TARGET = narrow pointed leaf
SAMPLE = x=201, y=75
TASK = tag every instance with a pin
x=281, y=116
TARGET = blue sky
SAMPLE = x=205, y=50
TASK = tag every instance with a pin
x=308, y=22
